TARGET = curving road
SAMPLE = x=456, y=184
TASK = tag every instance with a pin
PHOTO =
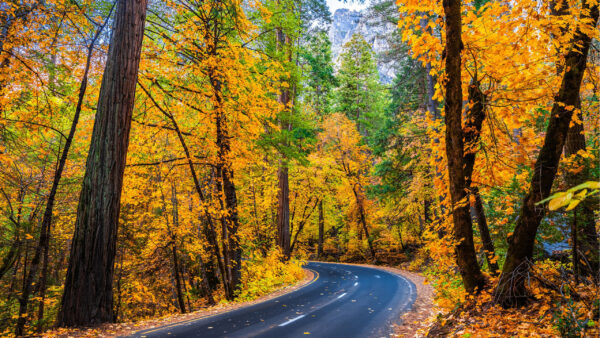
x=342, y=301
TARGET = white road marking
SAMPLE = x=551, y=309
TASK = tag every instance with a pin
x=355, y=283
x=342, y=295
x=377, y=276
x=291, y=320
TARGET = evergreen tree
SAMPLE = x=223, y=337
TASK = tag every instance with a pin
x=359, y=95
x=320, y=79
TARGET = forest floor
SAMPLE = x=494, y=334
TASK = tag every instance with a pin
x=128, y=328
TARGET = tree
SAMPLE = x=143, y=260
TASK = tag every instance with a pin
x=511, y=286
x=463, y=228
x=44, y=239
x=359, y=94
x=88, y=294
x=320, y=80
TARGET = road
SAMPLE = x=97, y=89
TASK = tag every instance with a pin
x=342, y=301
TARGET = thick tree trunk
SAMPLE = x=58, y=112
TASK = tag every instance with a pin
x=88, y=294
x=463, y=228
x=283, y=196
x=321, y=230
x=511, y=286
x=44, y=240
x=585, y=225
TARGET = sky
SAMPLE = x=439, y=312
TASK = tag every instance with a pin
x=354, y=5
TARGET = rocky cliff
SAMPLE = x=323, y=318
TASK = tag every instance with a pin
x=346, y=22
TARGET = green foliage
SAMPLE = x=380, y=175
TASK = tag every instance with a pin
x=360, y=95
x=569, y=321
x=319, y=79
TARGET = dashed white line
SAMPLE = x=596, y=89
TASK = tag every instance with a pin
x=292, y=320
x=342, y=295
x=355, y=283
x=377, y=276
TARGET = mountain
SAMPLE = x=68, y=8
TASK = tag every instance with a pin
x=347, y=22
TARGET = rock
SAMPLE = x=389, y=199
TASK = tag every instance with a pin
x=346, y=23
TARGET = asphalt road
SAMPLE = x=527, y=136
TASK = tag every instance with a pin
x=342, y=301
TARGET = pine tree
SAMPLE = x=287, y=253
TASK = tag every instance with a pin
x=360, y=95
x=320, y=79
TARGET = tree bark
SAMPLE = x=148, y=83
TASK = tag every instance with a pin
x=44, y=239
x=283, y=211
x=472, y=135
x=321, y=230
x=206, y=281
x=484, y=232
x=176, y=274
x=510, y=290
x=303, y=220
x=88, y=295
x=463, y=228
x=363, y=221
x=283, y=196
x=232, y=251
x=585, y=230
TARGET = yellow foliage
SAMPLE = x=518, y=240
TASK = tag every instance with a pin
x=261, y=275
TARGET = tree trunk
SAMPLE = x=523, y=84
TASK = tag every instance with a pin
x=510, y=290
x=283, y=196
x=234, y=252
x=363, y=221
x=575, y=247
x=176, y=274
x=472, y=135
x=463, y=228
x=88, y=295
x=283, y=211
x=303, y=220
x=484, y=231
x=42, y=287
x=44, y=240
x=585, y=233
x=206, y=281
x=321, y=231
x=180, y=300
